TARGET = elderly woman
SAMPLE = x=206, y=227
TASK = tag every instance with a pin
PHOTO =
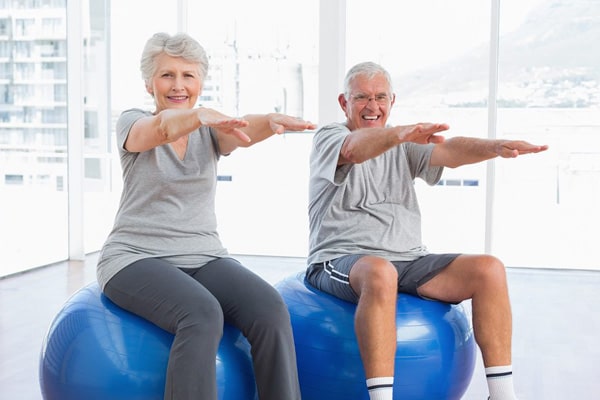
x=163, y=259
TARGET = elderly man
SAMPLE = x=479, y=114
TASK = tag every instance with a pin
x=365, y=229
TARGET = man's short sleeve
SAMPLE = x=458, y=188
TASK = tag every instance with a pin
x=327, y=144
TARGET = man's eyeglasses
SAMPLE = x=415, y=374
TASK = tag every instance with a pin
x=363, y=99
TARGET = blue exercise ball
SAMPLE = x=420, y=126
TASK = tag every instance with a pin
x=435, y=355
x=95, y=350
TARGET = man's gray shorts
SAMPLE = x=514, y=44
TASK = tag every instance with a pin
x=332, y=276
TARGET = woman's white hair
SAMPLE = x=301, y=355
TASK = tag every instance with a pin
x=178, y=45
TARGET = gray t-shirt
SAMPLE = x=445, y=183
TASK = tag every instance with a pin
x=167, y=207
x=367, y=208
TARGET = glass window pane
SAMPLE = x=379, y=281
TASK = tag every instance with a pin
x=262, y=62
x=259, y=61
x=546, y=212
x=100, y=198
x=33, y=135
x=129, y=33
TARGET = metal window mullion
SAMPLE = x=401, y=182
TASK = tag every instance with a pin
x=182, y=15
x=492, y=121
x=332, y=57
x=75, y=129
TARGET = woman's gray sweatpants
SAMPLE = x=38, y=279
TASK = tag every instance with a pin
x=192, y=304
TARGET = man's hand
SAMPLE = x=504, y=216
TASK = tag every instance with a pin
x=514, y=148
x=422, y=133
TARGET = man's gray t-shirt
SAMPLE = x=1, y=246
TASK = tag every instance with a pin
x=366, y=208
x=167, y=205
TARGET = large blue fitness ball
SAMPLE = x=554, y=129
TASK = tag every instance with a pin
x=435, y=354
x=94, y=350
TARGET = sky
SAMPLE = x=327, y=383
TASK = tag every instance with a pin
x=432, y=32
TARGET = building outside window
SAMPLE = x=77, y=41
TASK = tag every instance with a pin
x=33, y=122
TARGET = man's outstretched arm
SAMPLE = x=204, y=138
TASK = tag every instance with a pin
x=458, y=151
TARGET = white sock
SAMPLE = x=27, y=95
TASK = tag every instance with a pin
x=380, y=388
x=500, y=383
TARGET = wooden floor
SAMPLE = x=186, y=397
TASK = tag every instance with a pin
x=556, y=342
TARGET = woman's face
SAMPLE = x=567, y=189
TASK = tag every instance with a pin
x=176, y=83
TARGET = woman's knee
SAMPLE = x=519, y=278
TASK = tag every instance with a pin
x=207, y=310
x=271, y=311
x=203, y=317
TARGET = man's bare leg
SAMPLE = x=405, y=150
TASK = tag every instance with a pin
x=375, y=281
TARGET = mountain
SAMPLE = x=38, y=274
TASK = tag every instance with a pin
x=552, y=60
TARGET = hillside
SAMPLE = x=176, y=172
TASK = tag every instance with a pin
x=552, y=60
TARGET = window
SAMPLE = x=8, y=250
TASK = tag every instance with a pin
x=32, y=210
x=543, y=205
x=262, y=64
x=546, y=212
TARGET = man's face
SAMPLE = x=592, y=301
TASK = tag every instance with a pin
x=369, y=102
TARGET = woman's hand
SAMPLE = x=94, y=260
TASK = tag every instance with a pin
x=280, y=123
x=258, y=128
x=223, y=123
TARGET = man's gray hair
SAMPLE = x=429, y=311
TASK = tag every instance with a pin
x=369, y=69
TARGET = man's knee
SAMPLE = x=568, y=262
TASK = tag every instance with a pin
x=492, y=268
x=374, y=275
